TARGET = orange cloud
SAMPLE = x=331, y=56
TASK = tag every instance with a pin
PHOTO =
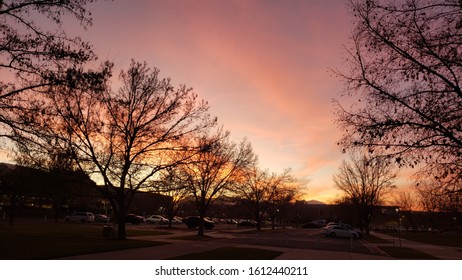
x=262, y=65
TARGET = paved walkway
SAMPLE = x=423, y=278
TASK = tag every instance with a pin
x=440, y=252
x=178, y=247
x=182, y=247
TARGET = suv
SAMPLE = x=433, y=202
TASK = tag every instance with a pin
x=194, y=221
x=83, y=217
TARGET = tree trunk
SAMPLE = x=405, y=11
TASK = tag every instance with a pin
x=120, y=212
x=121, y=234
x=201, y=230
x=12, y=211
x=258, y=219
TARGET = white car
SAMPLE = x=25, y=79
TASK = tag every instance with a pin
x=347, y=226
x=339, y=231
x=177, y=220
x=156, y=219
x=82, y=217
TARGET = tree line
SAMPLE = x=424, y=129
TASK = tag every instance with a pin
x=401, y=106
x=145, y=134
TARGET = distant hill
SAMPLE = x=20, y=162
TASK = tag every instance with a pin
x=314, y=202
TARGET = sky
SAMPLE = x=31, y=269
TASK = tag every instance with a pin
x=263, y=66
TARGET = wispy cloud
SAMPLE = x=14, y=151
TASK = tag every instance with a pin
x=261, y=64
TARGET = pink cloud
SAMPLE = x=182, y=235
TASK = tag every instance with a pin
x=263, y=66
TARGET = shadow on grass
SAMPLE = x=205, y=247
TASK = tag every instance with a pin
x=232, y=253
x=267, y=231
x=51, y=241
x=406, y=253
x=192, y=237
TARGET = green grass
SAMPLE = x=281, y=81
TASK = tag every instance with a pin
x=453, y=239
x=406, y=253
x=50, y=241
x=232, y=253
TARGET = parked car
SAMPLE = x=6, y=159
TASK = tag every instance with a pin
x=134, y=219
x=231, y=221
x=320, y=223
x=100, y=218
x=339, y=231
x=247, y=223
x=156, y=219
x=82, y=217
x=310, y=225
x=177, y=220
x=194, y=221
x=347, y=226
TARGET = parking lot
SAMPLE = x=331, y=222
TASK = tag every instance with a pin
x=294, y=238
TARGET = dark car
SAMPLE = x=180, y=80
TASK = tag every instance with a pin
x=100, y=218
x=194, y=221
x=247, y=223
x=134, y=219
x=310, y=225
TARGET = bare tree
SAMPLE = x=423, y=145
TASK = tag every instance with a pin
x=16, y=183
x=430, y=201
x=173, y=191
x=121, y=139
x=287, y=191
x=436, y=200
x=260, y=188
x=404, y=80
x=213, y=169
x=35, y=51
x=364, y=181
x=407, y=202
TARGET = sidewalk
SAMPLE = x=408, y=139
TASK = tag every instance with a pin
x=176, y=249
x=441, y=252
x=182, y=247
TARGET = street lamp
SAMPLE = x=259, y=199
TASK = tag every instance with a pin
x=399, y=227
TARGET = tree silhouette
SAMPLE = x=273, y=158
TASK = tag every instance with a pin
x=173, y=192
x=36, y=53
x=213, y=169
x=404, y=81
x=122, y=138
x=364, y=181
x=261, y=189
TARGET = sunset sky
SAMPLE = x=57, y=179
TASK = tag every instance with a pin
x=262, y=65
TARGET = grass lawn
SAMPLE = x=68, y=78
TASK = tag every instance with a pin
x=264, y=231
x=232, y=253
x=374, y=239
x=406, y=253
x=50, y=241
x=451, y=238
x=192, y=237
